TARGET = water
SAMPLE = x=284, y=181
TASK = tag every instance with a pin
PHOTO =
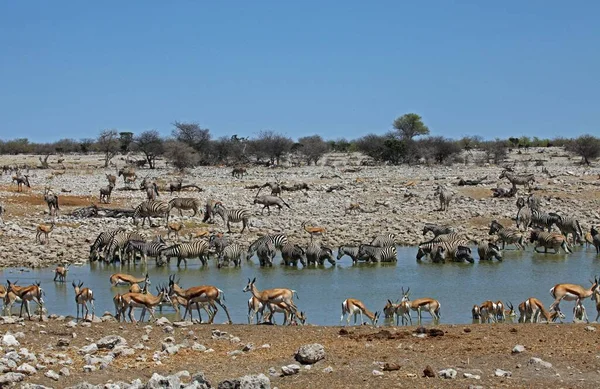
x=321, y=290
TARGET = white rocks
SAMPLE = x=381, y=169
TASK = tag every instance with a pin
x=52, y=375
x=179, y=324
x=160, y=382
x=162, y=321
x=518, y=349
x=377, y=373
x=11, y=378
x=447, y=374
x=502, y=373
x=26, y=369
x=472, y=376
x=198, y=347
x=290, y=369
x=540, y=362
x=328, y=369
x=9, y=340
x=64, y=372
x=590, y=328
x=310, y=353
x=89, y=349
x=110, y=341
x=259, y=381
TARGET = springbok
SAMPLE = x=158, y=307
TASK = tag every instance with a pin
x=488, y=312
x=354, y=307
x=596, y=298
x=291, y=314
x=127, y=279
x=60, y=273
x=271, y=295
x=476, y=314
x=177, y=300
x=500, y=313
x=313, y=230
x=26, y=294
x=579, y=313
x=201, y=294
x=44, y=229
x=82, y=297
x=426, y=303
x=255, y=309
x=144, y=301
x=571, y=292
x=534, y=308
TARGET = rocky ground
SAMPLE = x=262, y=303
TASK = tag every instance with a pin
x=394, y=199
x=59, y=353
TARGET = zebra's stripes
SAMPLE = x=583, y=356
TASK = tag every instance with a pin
x=146, y=249
x=523, y=214
x=569, y=225
x=384, y=240
x=118, y=243
x=233, y=216
x=183, y=251
x=489, y=251
x=378, y=254
x=231, y=253
x=451, y=237
x=553, y=240
x=455, y=253
x=317, y=254
x=278, y=240
x=186, y=204
x=542, y=220
x=352, y=252
x=150, y=208
x=266, y=252
x=102, y=240
x=292, y=253
x=219, y=242
x=436, y=230
x=507, y=235
x=525, y=180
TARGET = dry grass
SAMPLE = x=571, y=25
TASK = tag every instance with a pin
x=475, y=193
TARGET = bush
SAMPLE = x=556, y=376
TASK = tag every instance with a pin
x=181, y=155
x=586, y=146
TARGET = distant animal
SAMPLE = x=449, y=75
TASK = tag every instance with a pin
x=21, y=180
x=445, y=197
x=106, y=192
x=238, y=172
x=60, y=273
x=44, y=229
x=268, y=201
x=313, y=230
x=354, y=307
x=174, y=228
x=52, y=200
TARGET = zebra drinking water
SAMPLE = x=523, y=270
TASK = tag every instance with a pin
x=384, y=240
x=507, y=235
x=317, y=254
x=378, y=254
x=488, y=251
x=184, y=251
x=231, y=253
x=352, y=252
x=548, y=240
x=292, y=253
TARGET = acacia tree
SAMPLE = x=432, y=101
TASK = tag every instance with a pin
x=108, y=143
x=181, y=155
x=272, y=145
x=586, y=146
x=151, y=144
x=409, y=126
x=313, y=148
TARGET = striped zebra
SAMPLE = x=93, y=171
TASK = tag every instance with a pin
x=186, y=204
x=488, y=251
x=436, y=230
x=454, y=253
x=384, y=240
x=231, y=253
x=507, y=235
x=317, y=254
x=452, y=237
x=432, y=250
x=569, y=225
x=445, y=197
x=553, y=240
x=183, y=251
x=150, y=208
x=266, y=252
x=146, y=249
x=233, y=216
x=515, y=179
x=534, y=202
x=102, y=240
x=378, y=254
x=118, y=243
x=542, y=220
x=523, y=218
x=219, y=242
x=352, y=252
x=278, y=240
x=291, y=254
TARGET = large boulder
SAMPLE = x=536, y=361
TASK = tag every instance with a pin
x=310, y=353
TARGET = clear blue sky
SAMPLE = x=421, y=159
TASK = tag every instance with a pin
x=69, y=69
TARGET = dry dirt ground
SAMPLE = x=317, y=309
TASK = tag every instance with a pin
x=352, y=353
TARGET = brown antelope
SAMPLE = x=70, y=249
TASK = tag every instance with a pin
x=255, y=308
x=118, y=301
x=579, y=313
x=534, y=308
x=431, y=305
x=82, y=297
x=199, y=234
x=291, y=314
x=201, y=294
x=596, y=298
x=389, y=311
x=135, y=288
x=354, y=307
x=145, y=301
x=125, y=279
x=60, y=273
x=174, y=228
x=510, y=312
x=571, y=292
x=26, y=294
x=271, y=295
x=9, y=298
x=313, y=230
x=500, y=313
x=402, y=311
x=476, y=313
x=44, y=229
x=488, y=312
x=112, y=179
x=177, y=300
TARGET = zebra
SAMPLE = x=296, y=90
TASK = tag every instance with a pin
x=436, y=230
x=488, y=252
x=456, y=253
x=525, y=180
x=106, y=192
x=444, y=196
x=52, y=200
x=151, y=248
x=569, y=225
x=150, y=208
x=595, y=241
x=317, y=254
x=219, y=242
x=548, y=240
x=265, y=252
x=291, y=254
x=523, y=214
x=378, y=254
x=102, y=240
x=186, y=203
x=507, y=235
x=183, y=251
x=452, y=237
x=543, y=220
x=384, y=240
x=231, y=253
x=119, y=243
x=450, y=248
x=278, y=240
x=352, y=252
x=233, y=216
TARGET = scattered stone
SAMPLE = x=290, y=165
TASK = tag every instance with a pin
x=52, y=375
x=110, y=341
x=377, y=373
x=290, y=369
x=9, y=340
x=198, y=347
x=502, y=373
x=235, y=352
x=200, y=380
x=518, y=349
x=158, y=381
x=391, y=366
x=466, y=330
x=411, y=375
x=89, y=349
x=428, y=372
x=310, y=353
x=590, y=328
x=162, y=321
x=26, y=369
x=64, y=372
x=229, y=384
x=63, y=342
x=11, y=378
x=260, y=381
x=179, y=324
x=472, y=376
x=248, y=347
x=540, y=362
x=447, y=373
x=328, y=369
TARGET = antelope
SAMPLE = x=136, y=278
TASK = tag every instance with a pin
x=199, y=234
x=144, y=301
x=174, y=228
x=579, y=314
x=255, y=308
x=291, y=314
x=135, y=288
x=8, y=299
x=596, y=298
x=112, y=179
x=354, y=307
x=177, y=300
x=571, y=292
x=313, y=230
x=44, y=229
x=27, y=293
x=61, y=273
x=429, y=304
x=124, y=279
x=476, y=313
x=403, y=311
x=510, y=312
x=274, y=296
x=201, y=294
x=389, y=311
x=534, y=308
x=82, y=297
x=500, y=313
x=488, y=312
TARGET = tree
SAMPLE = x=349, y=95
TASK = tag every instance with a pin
x=586, y=146
x=272, y=145
x=313, y=148
x=181, y=155
x=495, y=150
x=125, y=139
x=410, y=125
x=86, y=145
x=372, y=145
x=108, y=143
x=438, y=148
x=151, y=144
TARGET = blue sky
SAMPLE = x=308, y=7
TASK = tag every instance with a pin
x=69, y=69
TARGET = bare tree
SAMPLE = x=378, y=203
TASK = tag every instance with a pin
x=151, y=144
x=586, y=146
x=313, y=148
x=109, y=144
x=272, y=145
